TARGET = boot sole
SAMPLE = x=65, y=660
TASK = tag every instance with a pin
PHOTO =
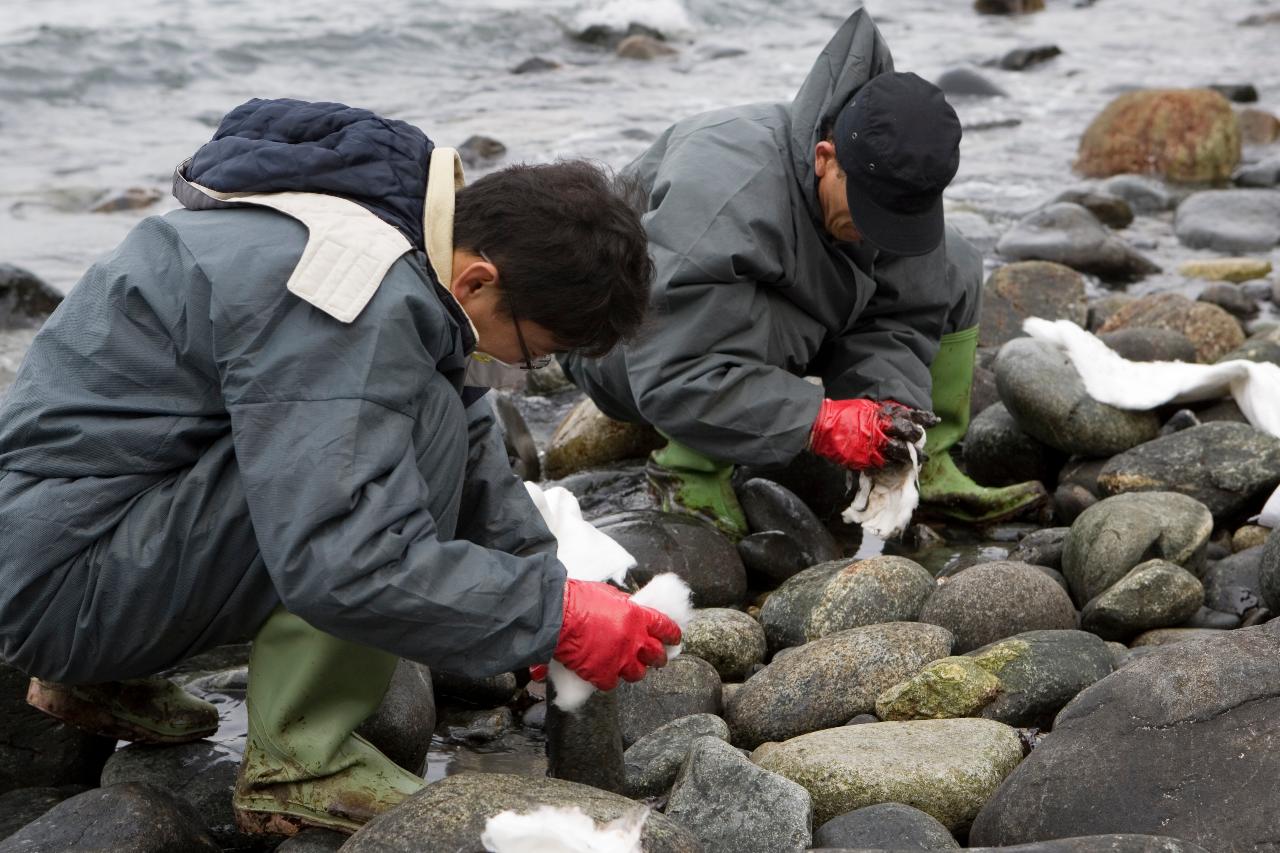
x=253, y=821
x=92, y=718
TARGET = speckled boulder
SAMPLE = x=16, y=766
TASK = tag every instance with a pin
x=1212, y=330
x=991, y=601
x=1155, y=594
x=729, y=640
x=870, y=592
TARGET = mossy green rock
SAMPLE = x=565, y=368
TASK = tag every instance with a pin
x=870, y=592
x=826, y=682
x=1040, y=672
x=947, y=688
x=945, y=768
x=1186, y=135
x=587, y=438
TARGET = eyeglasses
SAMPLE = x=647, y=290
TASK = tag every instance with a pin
x=530, y=363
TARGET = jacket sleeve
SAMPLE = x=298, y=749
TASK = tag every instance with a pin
x=352, y=449
x=496, y=510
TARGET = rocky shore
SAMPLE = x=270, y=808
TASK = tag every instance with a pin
x=1103, y=677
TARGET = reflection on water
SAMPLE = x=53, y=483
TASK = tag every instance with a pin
x=520, y=751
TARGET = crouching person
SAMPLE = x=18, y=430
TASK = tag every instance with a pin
x=260, y=417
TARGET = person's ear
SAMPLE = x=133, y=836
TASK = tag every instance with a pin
x=473, y=278
x=824, y=158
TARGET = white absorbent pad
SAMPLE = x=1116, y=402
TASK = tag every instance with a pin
x=562, y=830
x=1139, y=386
x=887, y=497
x=591, y=555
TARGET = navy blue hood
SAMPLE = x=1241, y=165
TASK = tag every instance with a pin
x=284, y=145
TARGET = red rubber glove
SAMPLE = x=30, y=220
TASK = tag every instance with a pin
x=605, y=636
x=860, y=434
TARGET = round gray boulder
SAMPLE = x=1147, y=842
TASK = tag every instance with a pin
x=694, y=550
x=1155, y=594
x=1068, y=234
x=1025, y=289
x=652, y=763
x=686, y=685
x=870, y=592
x=729, y=640
x=1230, y=221
x=890, y=826
x=997, y=452
x=991, y=601
x=785, y=613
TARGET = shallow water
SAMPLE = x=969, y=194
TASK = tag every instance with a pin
x=99, y=97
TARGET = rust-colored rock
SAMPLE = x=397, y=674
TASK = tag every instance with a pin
x=1258, y=127
x=1188, y=135
x=1212, y=330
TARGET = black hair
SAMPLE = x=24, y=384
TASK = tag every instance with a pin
x=571, y=253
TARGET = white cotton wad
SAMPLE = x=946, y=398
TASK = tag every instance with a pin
x=562, y=830
x=591, y=555
x=1139, y=386
x=668, y=594
x=887, y=498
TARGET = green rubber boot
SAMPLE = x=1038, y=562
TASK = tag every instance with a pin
x=141, y=710
x=687, y=482
x=944, y=489
x=303, y=763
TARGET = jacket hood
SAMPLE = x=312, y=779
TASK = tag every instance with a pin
x=284, y=145
x=856, y=53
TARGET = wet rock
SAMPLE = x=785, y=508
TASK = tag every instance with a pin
x=313, y=841
x=1178, y=421
x=653, y=762
x=522, y=452
x=1230, y=468
x=785, y=615
x=1186, y=135
x=38, y=751
x=127, y=818
x=1083, y=472
x=965, y=82
x=870, y=592
x=1144, y=194
x=825, y=487
x=771, y=506
x=1025, y=289
x=1261, y=175
x=975, y=228
x=536, y=64
x=1155, y=594
x=729, y=640
x=827, y=681
x=1040, y=672
x=477, y=151
x=1070, y=501
x=486, y=692
x=983, y=394
x=693, y=549
x=686, y=685
x=773, y=556
x=1258, y=127
x=202, y=774
x=1111, y=210
x=643, y=47
x=1022, y=58
x=1103, y=308
x=1226, y=269
x=1231, y=299
x=1269, y=572
x=609, y=491
x=946, y=688
x=1068, y=234
x=1230, y=221
x=451, y=814
x=604, y=35
x=1042, y=548
x=730, y=804
x=1205, y=617
x=587, y=438
x=1170, y=636
x=1213, y=331
x=991, y=601
x=946, y=768
x=134, y=198
x=586, y=745
x=998, y=453
x=1007, y=7
x=885, y=825
x=25, y=300
x=403, y=723
x=475, y=726
x=1173, y=744
x=1240, y=93
x=22, y=805
x=1112, y=537
x=1047, y=398
x=1264, y=346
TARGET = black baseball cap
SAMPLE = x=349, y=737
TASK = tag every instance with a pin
x=898, y=142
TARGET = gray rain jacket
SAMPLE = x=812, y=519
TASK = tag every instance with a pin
x=751, y=293
x=190, y=444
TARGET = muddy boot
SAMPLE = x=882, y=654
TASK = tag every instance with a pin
x=303, y=763
x=687, y=482
x=944, y=489
x=142, y=710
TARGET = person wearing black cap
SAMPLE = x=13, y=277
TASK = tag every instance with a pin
x=806, y=239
